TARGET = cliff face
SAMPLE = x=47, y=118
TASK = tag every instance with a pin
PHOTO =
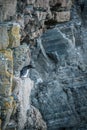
x=34, y=16
x=43, y=67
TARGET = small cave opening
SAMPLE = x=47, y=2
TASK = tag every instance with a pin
x=50, y=22
x=55, y=7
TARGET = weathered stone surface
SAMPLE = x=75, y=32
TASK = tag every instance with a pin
x=6, y=72
x=61, y=96
x=57, y=41
x=9, y=35
x=12, y=125
x=14, y=35
x=37, y=12
x=59, y=68
x=7, y=9
x=23, y=90
x=35, y=121
x=21, y=57
x=62, y=16
x=9, y=38
x=4, y=39
x=6, y=110
x=6, y=103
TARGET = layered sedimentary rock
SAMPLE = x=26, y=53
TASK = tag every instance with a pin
x=6, y=71
x=43, y=73
x=39, y=14
x=9, y=35
x=14, y=86
x=60, y=94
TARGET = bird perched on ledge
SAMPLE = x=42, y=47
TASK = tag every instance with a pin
x=24, y=72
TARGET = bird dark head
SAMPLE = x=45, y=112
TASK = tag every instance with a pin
x=30, y=66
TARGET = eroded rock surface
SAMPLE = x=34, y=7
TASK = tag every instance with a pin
x=43, y=74
x=60, y=94
x=7, y=9
x=39, y=14
x=35, y=121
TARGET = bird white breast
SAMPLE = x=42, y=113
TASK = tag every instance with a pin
x=26, y=75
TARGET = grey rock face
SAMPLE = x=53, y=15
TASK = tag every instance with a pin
x=7, y=9
x=22, y=91
x=54, y=40
x=34, y=14
x=35, y=121
x=82, y=7
x=21, y=58
x=61, y=96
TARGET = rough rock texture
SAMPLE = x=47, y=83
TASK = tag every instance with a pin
x=6, y=80
x=7, y=9
x=35, y=15
x=21, y=91
x=6, y=73
x=35, y=121
x=21, y=57
x=9, y=35
x=60, y=76
x=43, y=74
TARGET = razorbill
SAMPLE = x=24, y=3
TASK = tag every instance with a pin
x=24, y=72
